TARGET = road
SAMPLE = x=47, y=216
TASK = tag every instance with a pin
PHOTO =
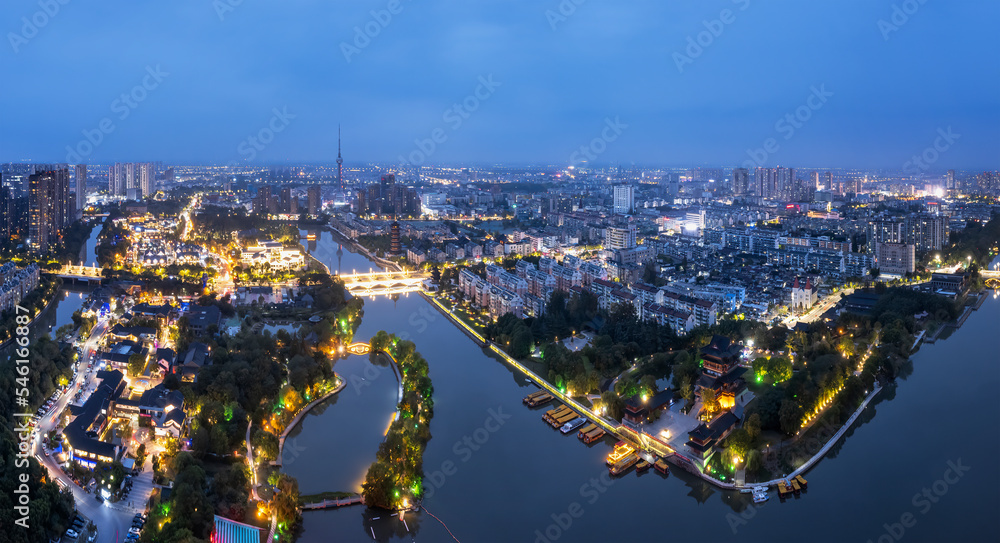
x=113, y=521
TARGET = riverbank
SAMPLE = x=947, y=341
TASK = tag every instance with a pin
x=35, y=317
x=303, y=412
x=623, y=432
x=363, y=250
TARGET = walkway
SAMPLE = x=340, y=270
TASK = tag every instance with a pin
x=327, y=504
x=829, y=444
x=253, y=469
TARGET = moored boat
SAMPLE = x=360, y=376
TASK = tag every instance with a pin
x=573, y=425
x=624, y=464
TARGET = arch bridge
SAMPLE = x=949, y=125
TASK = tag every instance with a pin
x=382, y=283
x=359, y=348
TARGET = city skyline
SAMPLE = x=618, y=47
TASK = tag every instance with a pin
x=534, y=85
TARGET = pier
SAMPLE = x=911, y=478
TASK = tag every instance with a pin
x=332, y=504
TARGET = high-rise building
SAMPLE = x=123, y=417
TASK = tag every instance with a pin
x=814, y=180
x=315, y=202
x=262, y=202
x=131, y=180
x=926, y=232
x=15, y=177
x=48, y=206
x=388, y=198
x=987, y=183
x=895, y=258
x=886, y=231
x=620, y=238
x=741, y=182
x=784, y=181
x=765, y=182
x=624, y=199
x=6, y=214
x=81, y=189
x=828, y=180
x=949, y=183
x=147, y=177
x=116, y=180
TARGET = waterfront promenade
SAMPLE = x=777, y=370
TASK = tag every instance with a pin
x=628, y=434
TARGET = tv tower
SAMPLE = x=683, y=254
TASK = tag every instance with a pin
x=340, y=163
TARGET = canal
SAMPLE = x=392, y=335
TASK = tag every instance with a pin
x=495, y=472
x=88, y=253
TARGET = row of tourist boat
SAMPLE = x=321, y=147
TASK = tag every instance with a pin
x=622, y=458
x=793, y=485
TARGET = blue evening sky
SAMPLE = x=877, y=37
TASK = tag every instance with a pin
x=561, y=78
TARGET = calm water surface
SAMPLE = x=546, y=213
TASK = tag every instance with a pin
x=496, y=472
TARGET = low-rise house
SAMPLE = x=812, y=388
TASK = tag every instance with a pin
x=81, y=436
x=197, y=356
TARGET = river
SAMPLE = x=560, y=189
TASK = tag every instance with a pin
x=88, y=254
x=496, y=472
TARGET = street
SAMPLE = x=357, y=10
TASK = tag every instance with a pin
x=113, y=520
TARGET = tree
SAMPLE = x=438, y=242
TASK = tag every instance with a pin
x=752, y=426
x=846, y=346
x=684, y=389
x=779, y=369
x=520, y=346
x=647, y=385
x=613, y=404
x=739, y=442
x=790, y=417
x=136, y=363
x=709, y=401
x=286, y=506
x=760, y=366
